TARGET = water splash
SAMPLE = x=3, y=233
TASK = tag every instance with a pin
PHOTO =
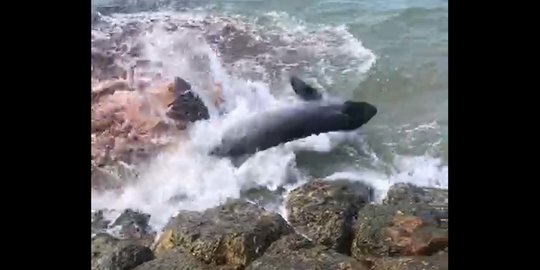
x=205, y=50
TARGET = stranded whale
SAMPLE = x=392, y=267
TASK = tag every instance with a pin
x=273, y=128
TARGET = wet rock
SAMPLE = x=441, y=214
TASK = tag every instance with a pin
x=295, y=252
x=96, y=17
x=404, y=193
x=129, y=225
x=402, y=230
x=130, y=127
x=263, y=196
x=108, y=88
x=134, y=225
x=109, y=253
x=111, y=176
x=232, y=234
x=132, y=151
x=326, y=210
x=435, y=262
x=123, y=134
x=104, y=66
x=174, y=260
x=187, y=106
x=99, y=223
x=102, y=179
x=409, y=194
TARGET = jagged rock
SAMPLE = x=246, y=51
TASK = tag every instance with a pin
x=400, y=230
x=99, y=223
x=134, y=225
x=404, y=193
x=174, y=260
x=326, y=210
x=233, y=234
x=101, y=179
x=96, y=17
x=122, y=135
x=262, y=195
x=104, y=66
x=126, y=124
x=112, y=176
x=129, y=225
x=108, y=88
x=409, y=194
x=295, y=252
x=435, y=262
x=187, y=106
x=135, y=151
x=109, y=253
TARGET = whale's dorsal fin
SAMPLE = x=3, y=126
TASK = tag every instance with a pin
x=303, y=90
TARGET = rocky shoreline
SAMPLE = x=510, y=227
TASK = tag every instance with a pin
x=330, y=225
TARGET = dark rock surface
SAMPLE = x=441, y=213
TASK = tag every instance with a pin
x=435, y=262
x=295, y=252
x=408, y=234
x=410, y=194
x=175, y=260
x=109, y=253
x=233, y=234
x=134, y=225
x=187, y=106
x=111, y=176
x=326, y=210
x=129, y=225
x=263, y=196
x=400, y=230
x=99, y=223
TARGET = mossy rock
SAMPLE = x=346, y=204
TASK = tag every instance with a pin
x=325, y=211
x=295, y=252
x=109, y=253
x=399, y=230
x=232, y=234
x=435, y=262
x=174, y=260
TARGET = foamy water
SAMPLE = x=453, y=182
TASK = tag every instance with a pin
x=187, y=177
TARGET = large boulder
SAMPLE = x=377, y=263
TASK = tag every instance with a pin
x=129, y=225
x=174, y=260
x=132, y=126
x=233, y=234
x=262, y=195
x=134, y=225
x=104, y=66
x=399, y=230
x=99, y=222
x=404, y=193
x=326, y=210
x=109, y=253
x=111, y=176
x=187, y=105
x=296, y=252
x=435, y=262
x=101, y=179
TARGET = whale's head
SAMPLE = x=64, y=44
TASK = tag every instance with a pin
x=359, y=112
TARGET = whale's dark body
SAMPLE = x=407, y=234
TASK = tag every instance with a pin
x=280, y=126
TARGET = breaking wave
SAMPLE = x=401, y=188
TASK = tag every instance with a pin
x=251, y=58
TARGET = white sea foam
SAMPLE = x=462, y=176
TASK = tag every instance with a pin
x=423, y=171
